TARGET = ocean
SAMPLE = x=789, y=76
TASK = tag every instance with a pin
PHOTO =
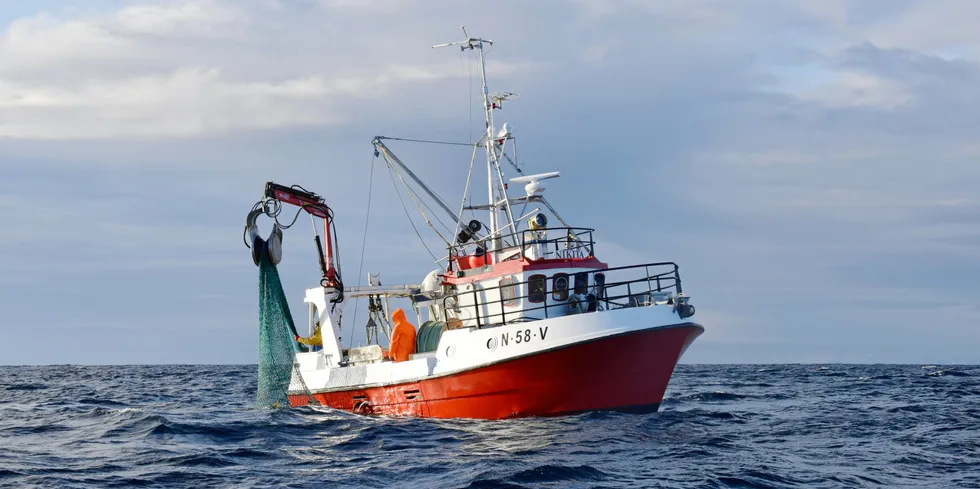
x=737, y=426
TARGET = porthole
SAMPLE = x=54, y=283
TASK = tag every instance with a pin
x=537, y=288
x=581, y=283
x=559, y=287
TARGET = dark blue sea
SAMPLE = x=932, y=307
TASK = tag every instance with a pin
x=742, y=426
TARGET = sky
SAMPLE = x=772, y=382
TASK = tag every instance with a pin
x=812, y=166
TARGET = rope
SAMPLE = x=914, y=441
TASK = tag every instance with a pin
x=417, y=206
x=418, y=199
x=407, y=215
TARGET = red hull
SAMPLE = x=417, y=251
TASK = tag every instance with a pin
x=625, y=372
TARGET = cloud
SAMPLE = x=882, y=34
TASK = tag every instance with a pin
x=201, y=19
x=188, y=102
x=848, y=89
x=810, y=165
x=177, y=70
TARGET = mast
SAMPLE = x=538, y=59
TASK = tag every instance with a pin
x=495, y=185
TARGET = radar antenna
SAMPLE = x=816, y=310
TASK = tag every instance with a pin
x=497, y=98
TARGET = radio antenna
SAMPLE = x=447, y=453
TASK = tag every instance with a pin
x=498, y=192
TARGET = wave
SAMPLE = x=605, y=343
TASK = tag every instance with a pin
x=725, y=397
x=948, y=373
x=717, y=396
x=720, y=426
x=26, y=387
x=559, y=473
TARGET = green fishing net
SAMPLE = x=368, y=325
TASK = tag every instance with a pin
x=277, y=347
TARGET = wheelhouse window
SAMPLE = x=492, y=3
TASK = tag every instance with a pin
x=581, y=283
x=508, y=291
x=559, y=287
x=536, y=288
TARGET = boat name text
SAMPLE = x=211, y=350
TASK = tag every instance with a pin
x=571, y=253
x=517, y=337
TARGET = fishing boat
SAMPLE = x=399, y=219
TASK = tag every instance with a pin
x=521, y=317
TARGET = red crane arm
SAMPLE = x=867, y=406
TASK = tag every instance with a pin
x=308, y=201
x=314, y=205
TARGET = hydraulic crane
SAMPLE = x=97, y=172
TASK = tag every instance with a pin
x=274, y=197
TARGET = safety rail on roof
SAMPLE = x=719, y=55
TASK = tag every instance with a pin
x=533, y=245
x=653, y=285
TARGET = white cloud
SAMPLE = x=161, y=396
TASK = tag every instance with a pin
x=373, y=7
x=939, y=25
x=187, y=19
x=850, y=89
x=186, y=102
x=858, y=171
x=186, y=69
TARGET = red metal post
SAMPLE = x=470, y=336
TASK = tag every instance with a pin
x=328, y=253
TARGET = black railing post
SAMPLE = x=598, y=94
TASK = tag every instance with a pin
x=523, y=257
x=677, y=279
x=500, y=293
x=476, y=306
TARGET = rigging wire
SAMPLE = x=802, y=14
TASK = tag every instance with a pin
x=390, y=158
x=418, y=199
x=360, y=268
x=466, y=191
x=417, y=206
x=469, y=101
x=408, y=215
x=509, y=214
x=427, y=141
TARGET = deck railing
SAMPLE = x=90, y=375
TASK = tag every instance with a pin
x=536, y=244
x=635, y=286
